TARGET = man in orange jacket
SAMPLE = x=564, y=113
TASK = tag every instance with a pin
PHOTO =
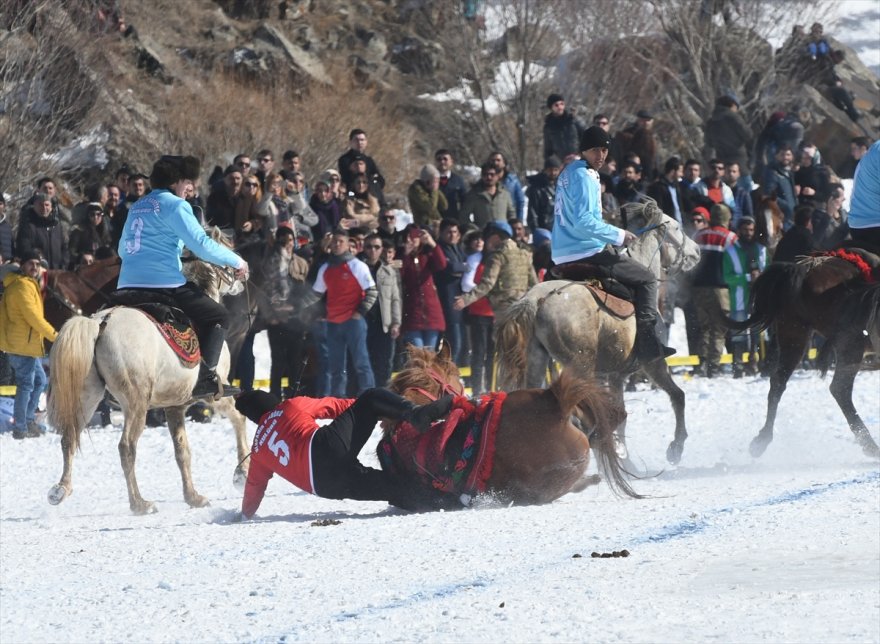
x=323, y=460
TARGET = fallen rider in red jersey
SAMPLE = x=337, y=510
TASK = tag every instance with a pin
x=323, y=460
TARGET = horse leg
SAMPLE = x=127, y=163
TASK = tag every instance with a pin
x=92, y=394
x=586, y=481
x=135, y=419
x=848, y=363
x=792, y=341
x=177, y=429
x=243, y=450
x=658, y=371
x=538, y=362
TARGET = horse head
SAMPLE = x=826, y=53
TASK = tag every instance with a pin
x=215, y=281
x=663, y=244
x=427, y=375
x=770, y=222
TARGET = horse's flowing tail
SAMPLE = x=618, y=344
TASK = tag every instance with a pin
x=513, y=328
x=602, y=413
x=71, y=359
x=772, y=292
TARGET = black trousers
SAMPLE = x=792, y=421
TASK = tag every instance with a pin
x=869, y=238
x=339, y=475
x=201, y=309
x=335, y=447
x=629, y=272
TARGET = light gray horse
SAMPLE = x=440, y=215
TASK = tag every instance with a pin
x=560, y=321
x=121, y=350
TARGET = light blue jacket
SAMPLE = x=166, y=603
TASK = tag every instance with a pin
x=864, y=208
x=578, y=228
x=159, y=225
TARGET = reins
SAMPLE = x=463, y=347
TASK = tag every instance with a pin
x=445, y=387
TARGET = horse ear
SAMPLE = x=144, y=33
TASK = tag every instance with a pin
x=445, y=352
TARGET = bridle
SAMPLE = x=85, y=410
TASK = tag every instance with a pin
x=445, y=387
x=665, y=238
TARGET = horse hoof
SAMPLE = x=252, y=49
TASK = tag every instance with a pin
x=57, y=494
x=673, y=453
x=239, y=479
x=871, y=450
x=757, y=446
x=143, y=508
x=198, y=501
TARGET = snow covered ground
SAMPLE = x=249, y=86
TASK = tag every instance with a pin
x=727, y=548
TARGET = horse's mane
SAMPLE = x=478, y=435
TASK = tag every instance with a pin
x=203, y=274
x=642, y=214
x=418, y=372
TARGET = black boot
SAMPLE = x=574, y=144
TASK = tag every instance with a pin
x=648, y=344
x=209, y=384
x=387, y=404
x=422, y=417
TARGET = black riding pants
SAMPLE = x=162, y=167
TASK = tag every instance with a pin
x=204, y=312
x=335, y=447
x=339, y=475
x=629, y=272
x=867, y=237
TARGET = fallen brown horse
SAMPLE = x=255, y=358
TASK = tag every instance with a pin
x=835, y=296
x=539, y=454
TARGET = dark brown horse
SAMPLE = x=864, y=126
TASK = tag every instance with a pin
x=539, y=454
x=829, y=295
x=79, y=292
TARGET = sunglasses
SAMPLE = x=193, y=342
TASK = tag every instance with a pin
x=698, y=220
x=251, y=185
x=601, y=122
x=388, y=217
x=242, y=164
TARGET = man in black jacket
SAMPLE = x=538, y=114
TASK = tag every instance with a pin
x=452, y=185
x=542, y=194
x=357, y=145
x=668, y=193
x=41, y=230
x=562, y=129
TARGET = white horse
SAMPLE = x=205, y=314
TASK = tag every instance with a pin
x=121, y=350
x=560, y=321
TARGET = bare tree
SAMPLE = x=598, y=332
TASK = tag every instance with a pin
x=46, y=92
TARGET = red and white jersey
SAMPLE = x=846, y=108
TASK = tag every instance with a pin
x=344, y=285
x=282, y=445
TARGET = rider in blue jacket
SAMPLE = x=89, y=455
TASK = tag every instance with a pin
x=864, y=209
x=581, y=235
x=158, y=226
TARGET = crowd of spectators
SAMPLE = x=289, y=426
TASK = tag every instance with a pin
x=440, y=269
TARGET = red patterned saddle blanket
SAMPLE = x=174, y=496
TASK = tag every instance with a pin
x=453, y=456
x=181, y=338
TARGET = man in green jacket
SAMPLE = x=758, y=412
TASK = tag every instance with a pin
x=509, y=272
x=22, y=331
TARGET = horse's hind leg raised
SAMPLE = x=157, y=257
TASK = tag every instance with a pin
x=93, y=392
x=177, y=429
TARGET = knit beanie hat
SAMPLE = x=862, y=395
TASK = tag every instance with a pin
x=595, y=137
x=554, y=98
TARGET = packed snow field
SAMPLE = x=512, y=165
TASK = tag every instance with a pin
x=726, y=547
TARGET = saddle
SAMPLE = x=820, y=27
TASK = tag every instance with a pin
x=454, y=456
x=174, y=325
x=609, y=294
